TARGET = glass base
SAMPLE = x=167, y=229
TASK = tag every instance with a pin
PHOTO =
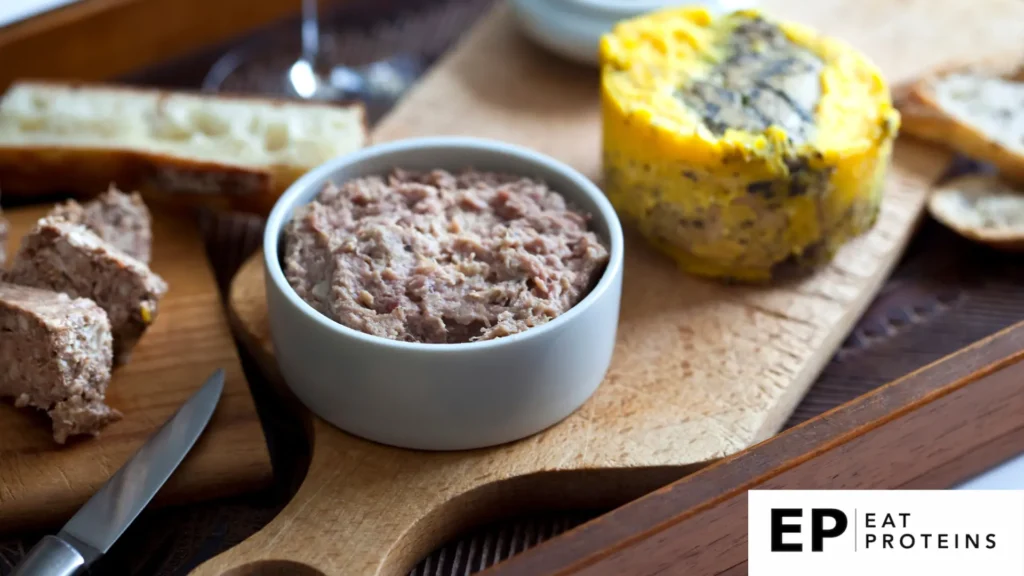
x=378, y=85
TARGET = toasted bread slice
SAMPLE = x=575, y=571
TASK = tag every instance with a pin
x=975, y=110
x=223, y=152
x=982, y=208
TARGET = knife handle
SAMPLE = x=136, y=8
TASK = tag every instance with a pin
x=50, y=557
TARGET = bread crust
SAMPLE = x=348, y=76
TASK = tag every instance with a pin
x=28, y=170
x=924, y=118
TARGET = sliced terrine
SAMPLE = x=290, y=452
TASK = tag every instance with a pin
x=121, y=219
x=56, y=355
x=67, y=257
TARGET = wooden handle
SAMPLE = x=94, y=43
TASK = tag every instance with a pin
x=368, y=509
x=362, y=526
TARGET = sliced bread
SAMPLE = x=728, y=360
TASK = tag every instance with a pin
x=212, y=150
x=982, y=208
x=977, y=111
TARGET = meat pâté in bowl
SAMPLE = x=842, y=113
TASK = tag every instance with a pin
x=443, y=293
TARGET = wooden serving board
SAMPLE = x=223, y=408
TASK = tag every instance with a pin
x=42, y=483
x=700, y=371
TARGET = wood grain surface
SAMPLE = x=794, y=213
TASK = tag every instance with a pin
x=42, y=484
x=931, y=430
x=700, y=371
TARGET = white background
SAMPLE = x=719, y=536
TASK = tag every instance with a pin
x=1008, y=476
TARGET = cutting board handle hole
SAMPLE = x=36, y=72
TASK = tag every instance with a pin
x=273, y=568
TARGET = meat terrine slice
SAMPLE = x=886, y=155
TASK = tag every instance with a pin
x=55, y=355
x=67, y=257
x=121, y=219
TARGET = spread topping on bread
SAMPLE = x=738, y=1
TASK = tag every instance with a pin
x=993, y=105
x=977, y=111
x=983, y=208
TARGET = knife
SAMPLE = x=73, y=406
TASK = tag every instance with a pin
x=102, y=520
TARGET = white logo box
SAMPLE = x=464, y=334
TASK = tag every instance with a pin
x=939, y=533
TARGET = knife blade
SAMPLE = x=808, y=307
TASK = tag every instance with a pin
x=100, y=522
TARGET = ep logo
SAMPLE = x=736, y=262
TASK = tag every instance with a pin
x=824, y=523
x=868, y=532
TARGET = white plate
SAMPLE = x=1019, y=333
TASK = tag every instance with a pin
x=573, y=28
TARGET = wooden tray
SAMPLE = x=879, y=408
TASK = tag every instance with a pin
x=931, y=430
x=42, y=483
x=701, y=371
x=102, y=39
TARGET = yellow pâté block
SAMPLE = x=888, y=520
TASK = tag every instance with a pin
x=738, y=143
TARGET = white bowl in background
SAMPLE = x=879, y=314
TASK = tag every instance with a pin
x=445, y=396
x=573, y=28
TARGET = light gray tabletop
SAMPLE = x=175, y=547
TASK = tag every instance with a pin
x=12, y=11
x=1007, y=476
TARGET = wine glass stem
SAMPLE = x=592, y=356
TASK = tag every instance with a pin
x=310, y=31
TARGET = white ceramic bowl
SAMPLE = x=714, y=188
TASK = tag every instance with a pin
x=445, y=396
x=573, y=28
